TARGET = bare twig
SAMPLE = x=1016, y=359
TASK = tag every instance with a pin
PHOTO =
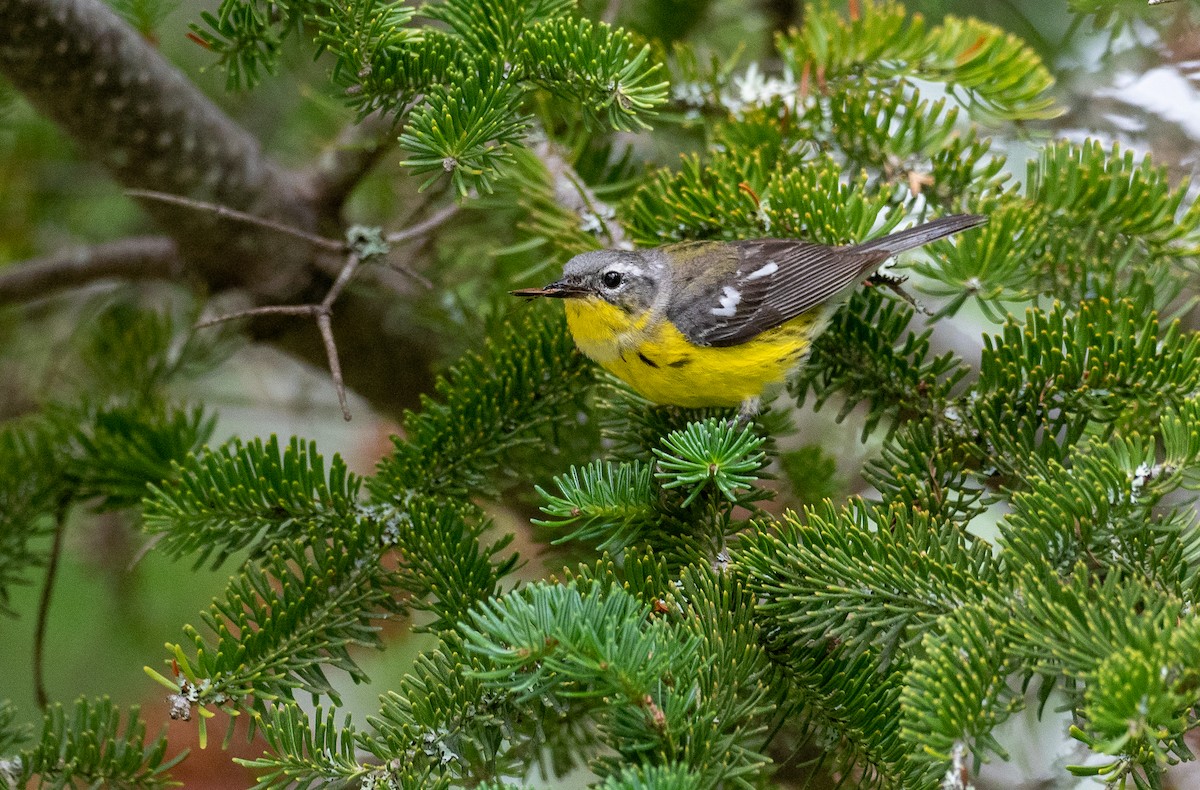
x=322, y=313
x=335, y=290
x=274, y=309
x=137, y=258
x=239, y=216
x=43, y=612
x=432, y=222
x=325, y=327
x=407, y=272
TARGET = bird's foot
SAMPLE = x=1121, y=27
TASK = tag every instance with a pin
x=893, y=283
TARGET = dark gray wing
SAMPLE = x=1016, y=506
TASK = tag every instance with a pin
x=748, y=287
x=762, y=284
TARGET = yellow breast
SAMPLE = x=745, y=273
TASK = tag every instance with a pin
x=662, y=365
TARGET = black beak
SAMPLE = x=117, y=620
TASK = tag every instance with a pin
x=558, y=290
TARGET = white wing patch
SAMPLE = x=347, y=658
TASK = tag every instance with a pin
x=729, y=302
x=765, y=271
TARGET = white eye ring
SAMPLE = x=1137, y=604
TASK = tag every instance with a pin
x=611, y=279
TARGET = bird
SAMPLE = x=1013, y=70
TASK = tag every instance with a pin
x=718, y=323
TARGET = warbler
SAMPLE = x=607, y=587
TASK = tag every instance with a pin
x=715, y=323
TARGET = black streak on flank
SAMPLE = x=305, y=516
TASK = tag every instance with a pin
x=680, y=363
x=647, y=360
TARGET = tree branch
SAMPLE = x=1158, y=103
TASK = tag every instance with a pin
x=425, y=226
x=127, y=108
x=43, y=612
x=138, y=258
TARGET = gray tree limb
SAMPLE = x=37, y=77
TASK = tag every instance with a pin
x=128, y=109
x=138, y=258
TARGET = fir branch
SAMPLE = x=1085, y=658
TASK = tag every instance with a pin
x=878, y=125
x=956, y=692
x=12, y=735
x=882, y=33
x=311, y=599
x=585, y=648
x=991, y=264
x=571, y=194
x=702, y=199
x=1140, y=704
x=633, y=427
x=738, y=683
x=558, y=213
x=390, y=80
x=247, y=38
x=362, y=34
x=466, y=129
x=612, y=504
x=869, y=354
x=1069, y=626
x=551, y=639
x=131, y=356
x=817, y=201
x=121, y=451
x=1091, y=223
x=852, y=703
x=882, y=577
x=282, y=622
x=517, y=394
x=653, y=777
x=1132, y=647
x=1064, y=372
x=644, y=573
x=443, y=724
x=248, y=496
x=707, y=452
x=736, y=679
x=306, y=753
x=1087, y=186
x=495, y=28
x=91, y=744
x=444, y=564
x=595, y=68
x=994, y=72
x=938, y=467
x=965, y=166
x=681, y=503
x=1111, y=497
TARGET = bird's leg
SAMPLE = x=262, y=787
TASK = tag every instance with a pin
x=892, y=283
x=748, y=411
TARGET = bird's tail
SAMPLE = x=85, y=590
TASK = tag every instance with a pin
x=922, y=234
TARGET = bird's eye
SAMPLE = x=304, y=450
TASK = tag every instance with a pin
x=611, y=279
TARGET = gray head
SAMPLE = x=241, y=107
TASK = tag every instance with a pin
x=622, y=278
